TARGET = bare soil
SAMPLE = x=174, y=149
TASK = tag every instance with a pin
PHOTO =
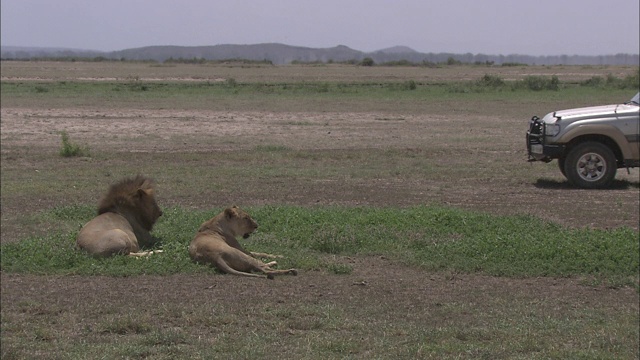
x=493, y=174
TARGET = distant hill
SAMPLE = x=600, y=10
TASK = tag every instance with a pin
x=285, y=54
x=276, y=53
x=397, y=50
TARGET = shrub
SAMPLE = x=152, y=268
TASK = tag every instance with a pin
x=367, y=62
x=398, y=63
x=535, y=83
x=538, y=83
x=511, y=64
x=231, y=82
x=70, y=149
x=554, y=83
x=491, y=81
x=629, y=82
x=595, y=81
x=452, y=61
x=410, y=85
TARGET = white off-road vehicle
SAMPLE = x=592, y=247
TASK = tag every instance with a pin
x=590, y=143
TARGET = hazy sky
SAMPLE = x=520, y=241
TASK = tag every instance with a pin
x=528, y=27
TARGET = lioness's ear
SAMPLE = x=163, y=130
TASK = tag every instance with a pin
x=229, y=212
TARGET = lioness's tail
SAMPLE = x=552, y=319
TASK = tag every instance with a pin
x=222, y=265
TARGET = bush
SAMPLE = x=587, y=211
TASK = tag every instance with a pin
x=595, y=81
x=452, y=61
x=538, y=83
x=399, y=63
x=491, y=81
x=629, y=82
x=231, y=82
x=70, y=149
x=367, y=62
x=632, y=81
x=410, y=85
x=511, y=64
x=495, y=83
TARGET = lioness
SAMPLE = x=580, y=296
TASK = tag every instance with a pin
x=215, y=243
x=126, y=215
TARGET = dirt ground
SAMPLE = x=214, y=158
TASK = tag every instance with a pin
x=493, y=174
x=29, y=132
x=383, y=295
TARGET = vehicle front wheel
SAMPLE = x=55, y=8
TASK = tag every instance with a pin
x=561, y=162
x=590, y=165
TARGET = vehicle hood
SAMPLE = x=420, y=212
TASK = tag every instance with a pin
x=593, y=112
x=587, y=112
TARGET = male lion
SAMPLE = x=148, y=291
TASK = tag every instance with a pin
x=126, y=215
x=215, y=243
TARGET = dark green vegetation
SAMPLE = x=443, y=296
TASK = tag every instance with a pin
x=70, y=148
x=402, y=194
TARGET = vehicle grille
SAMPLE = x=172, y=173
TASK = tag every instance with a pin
x=535, y=135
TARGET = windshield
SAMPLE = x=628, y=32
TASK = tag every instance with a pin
x=636, y=99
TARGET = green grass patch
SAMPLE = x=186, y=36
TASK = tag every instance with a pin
x=70, y=149
x=137, y=89
x=353, y=96
x=433, y=238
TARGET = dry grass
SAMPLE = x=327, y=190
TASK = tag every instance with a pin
x=242, y=73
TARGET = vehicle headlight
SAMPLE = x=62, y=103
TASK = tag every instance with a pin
x=552, y=129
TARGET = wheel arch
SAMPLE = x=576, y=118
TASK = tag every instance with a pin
x=603, y=139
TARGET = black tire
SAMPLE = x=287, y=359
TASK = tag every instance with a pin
x=561, y=163
x=590, y=165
